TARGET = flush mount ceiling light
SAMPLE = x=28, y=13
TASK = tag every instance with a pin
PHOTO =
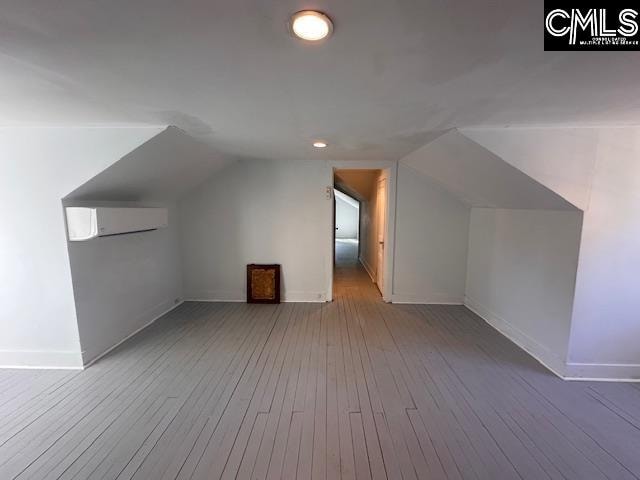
x=310, y=25
x=319, y=144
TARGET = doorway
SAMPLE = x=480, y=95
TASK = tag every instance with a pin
x=360, y=252
x=347, y=228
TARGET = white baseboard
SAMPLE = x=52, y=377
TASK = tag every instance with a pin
x=574, y=371
x=164, y=310
x=305, y=297
x=40, y=359
x=538, y=351
x=368, y=268
x=73, y=360
x=603, y=372
x=427, y=299
x=287, y=297
x=215, y=296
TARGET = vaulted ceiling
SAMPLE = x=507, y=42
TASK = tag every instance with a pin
x=480, y=178
x=393, y=76
x=162, y=168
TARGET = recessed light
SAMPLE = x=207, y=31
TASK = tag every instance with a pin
x=319, y=144
x=310, y=25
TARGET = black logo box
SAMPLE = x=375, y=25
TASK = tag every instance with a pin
x=604, y=15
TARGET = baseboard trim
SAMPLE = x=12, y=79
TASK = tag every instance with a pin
x=368, y=268
x=539, y=352
x=216, y=296
x=603, y=372
x=304, y=297
x=432, y=299
x=40, y=360
x=214, y=300
x=287, y=297
x=135, y=332
x=570, y=371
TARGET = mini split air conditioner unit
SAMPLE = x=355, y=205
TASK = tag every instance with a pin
x=84, y=223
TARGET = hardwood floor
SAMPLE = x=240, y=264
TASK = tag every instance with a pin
x=352, y=389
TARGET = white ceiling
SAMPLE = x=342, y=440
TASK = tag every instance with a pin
x=394, y=74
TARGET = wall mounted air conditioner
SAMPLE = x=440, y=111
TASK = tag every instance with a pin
x=84, y=223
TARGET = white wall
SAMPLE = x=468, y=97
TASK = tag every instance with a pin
x=596, y=168
x=347, y=218
x=122, y=283
x=521, y=276
x=38, y=167
x=606, y=325
x=258, y=211
x=432, y=228
x=369, y=228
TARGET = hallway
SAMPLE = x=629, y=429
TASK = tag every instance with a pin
x=353, y=389
x=347, y=271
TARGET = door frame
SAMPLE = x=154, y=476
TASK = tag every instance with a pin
x=334, y=217
x=382, y=181
x=390, y=169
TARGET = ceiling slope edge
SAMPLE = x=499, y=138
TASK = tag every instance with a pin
x=480, y=178
x=162, y=169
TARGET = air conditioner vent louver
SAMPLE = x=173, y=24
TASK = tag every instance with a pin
x=85, y=223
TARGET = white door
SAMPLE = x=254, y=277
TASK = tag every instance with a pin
x=381, y=214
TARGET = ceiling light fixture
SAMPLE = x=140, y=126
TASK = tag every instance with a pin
x=319, y=144
x=310, y=25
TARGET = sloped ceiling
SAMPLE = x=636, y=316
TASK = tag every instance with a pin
x=359, y=183
x=393, y=73
x=350, y=201
x=162, y=169
x=480, y=178
x=563, y=159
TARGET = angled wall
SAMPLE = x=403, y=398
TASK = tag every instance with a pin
x=432, y=229
x=165, y=168
x=597, y=169
x=521, y=276
x=481, y=178
x=347, y=216
x=122, y=283
x=39, y=167
x=562, y=159
x=522, y=244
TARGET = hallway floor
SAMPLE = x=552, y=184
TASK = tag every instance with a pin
x=348, y=271
x=354, y=389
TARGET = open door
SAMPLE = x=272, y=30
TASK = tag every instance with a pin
x=381, y=213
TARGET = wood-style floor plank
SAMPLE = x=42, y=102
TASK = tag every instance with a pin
x=355, y=389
